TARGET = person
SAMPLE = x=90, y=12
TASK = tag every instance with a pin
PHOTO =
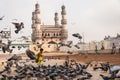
x=96, y=49
x=39, y=56
x=113, y=49
x=102, y=48
x=119, y=50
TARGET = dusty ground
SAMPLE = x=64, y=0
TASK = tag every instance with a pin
x=112, y=58
x=80, y=58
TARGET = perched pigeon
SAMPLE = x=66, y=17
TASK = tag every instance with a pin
x=105, y=77
x=114, y=68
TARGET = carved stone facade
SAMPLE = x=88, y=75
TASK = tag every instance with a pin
x=49, y=34
x=5, y=34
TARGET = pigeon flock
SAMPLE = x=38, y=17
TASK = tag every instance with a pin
x=17, y=68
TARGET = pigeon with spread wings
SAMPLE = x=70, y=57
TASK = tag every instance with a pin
x=18, y=26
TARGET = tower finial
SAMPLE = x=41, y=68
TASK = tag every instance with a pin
x=37, y=6
x=56, y=19
x=63, y=13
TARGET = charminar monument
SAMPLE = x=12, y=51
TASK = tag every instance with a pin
x=48, y=36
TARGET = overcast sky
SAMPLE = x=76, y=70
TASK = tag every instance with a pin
x=93, y=18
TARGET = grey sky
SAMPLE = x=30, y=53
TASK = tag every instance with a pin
x=94, y=18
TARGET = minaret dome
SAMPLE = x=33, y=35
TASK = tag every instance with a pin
x=63, y=7
x=37, y=5
x=56, y=19
x=56, y=14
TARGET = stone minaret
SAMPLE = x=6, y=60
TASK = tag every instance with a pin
x=36, y=17
x=64, y=20
x=64, y=31
x=36, y=22
x=56, y=18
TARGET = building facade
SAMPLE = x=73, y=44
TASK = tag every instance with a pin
x=5, y=34
x=49, y=34
x=108, y=42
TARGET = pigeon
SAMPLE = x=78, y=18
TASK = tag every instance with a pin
x=69, y=44
x=1, y=31
x=6, y=47
x=64, y=77
x=105, y=66
x=85, y=77
x=85, y=66
x=40, y=45
x=2, y=17
x=114, y=68
x=31, y=54
x=18, y=26
x=105, y=77
x=69, y=52
x=81, y=78
x=25, y=37
x=77, y=35
x=60, y=45
x=15, y=57
x=77, y=46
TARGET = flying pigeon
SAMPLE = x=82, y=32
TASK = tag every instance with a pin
x=1, y=31
x=77, y=46
x=6, y=47
x=69, y=52
x=31, y=54
x=77, y=35
x=1, y=18
x=18, y=26
x=69, y=44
